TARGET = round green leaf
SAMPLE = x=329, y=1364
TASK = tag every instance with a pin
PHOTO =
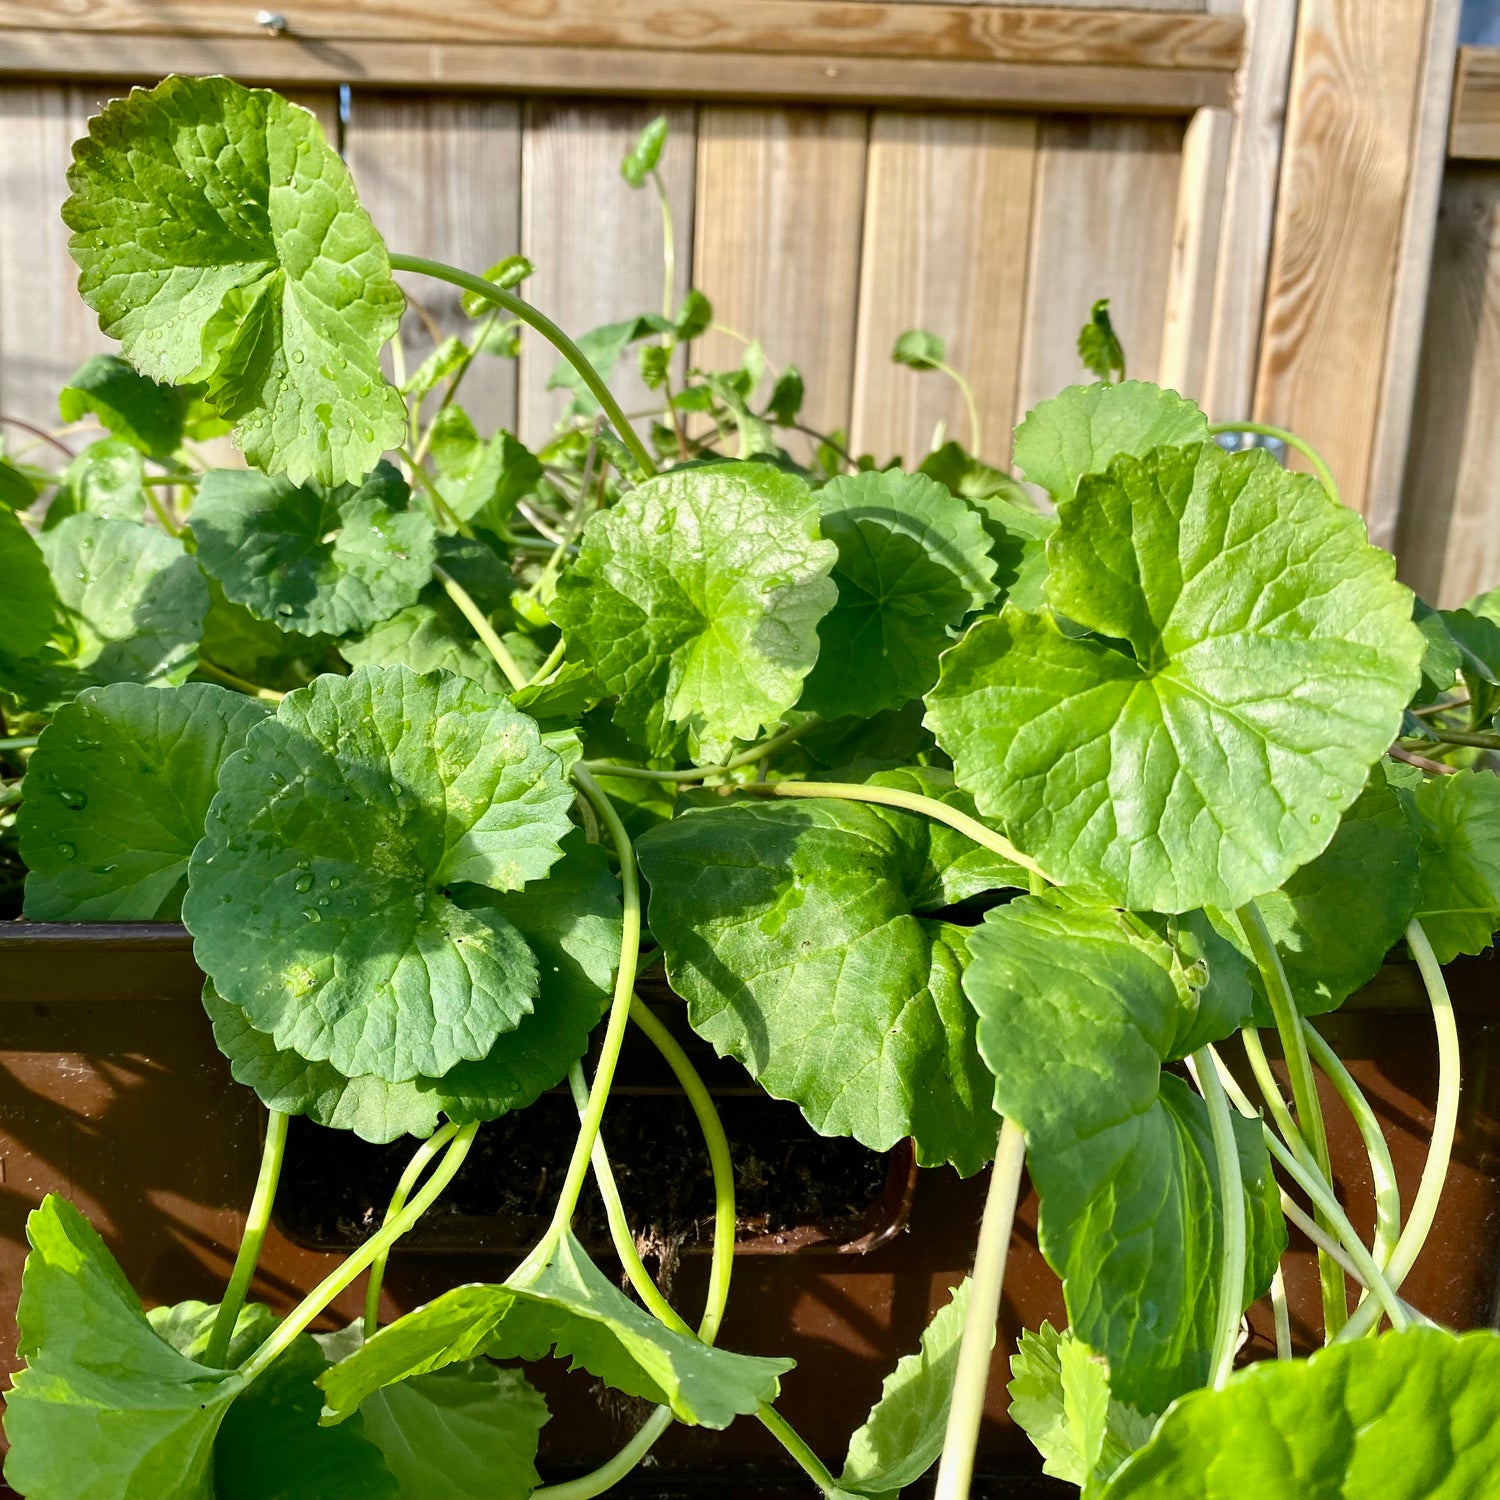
x=570, y=921
x=313, y=559
x=116, y=797
x=1251, y=660
x=319, y=897
x=219, y=238
x=696, y=599
x=104, y=480
x=128, y=404
x=1457, y=819
x=913, y=561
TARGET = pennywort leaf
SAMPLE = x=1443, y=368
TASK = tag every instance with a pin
x=1099, y=344
x=310, y=558
x=567, y=1308
x=1250, y=659
x=919, y=349
x=640, y=161
x=320, y=898
x=28, y=603
x=116, y=797
x=219, y=238
x=106, y=479
x=129, y=405
x=1457, y=819
x=696, y=600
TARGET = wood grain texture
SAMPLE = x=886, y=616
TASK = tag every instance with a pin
x=777, y=242
x=946, y=231
x=441, y=177
x=1106, y=198
x=1195, y=252
x=1449, y=537
x=596, y=241
x=46, y=331
x=1474, y=125
x=1252, y=178
x=1058, y=37
x=1403, y=342
x=663, y=73
x=1346, y=168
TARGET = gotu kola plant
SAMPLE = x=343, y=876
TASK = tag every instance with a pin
x=952, y=821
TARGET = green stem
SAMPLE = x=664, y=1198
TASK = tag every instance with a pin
x=22, y=742
x=341, y=1276
x=975, y=438
x=619, y=1013
x=607, y=1475
x=549, y=330
x=1270, y=1091
x=1304, y=1090
x=1465, y=737
x=971, y=1379
x=1444, y=1126
x=168, y=524
x=409, y=1179
x=700, y=773
x=443, y=512
x=256, y=1223
x=239, y=684
x=1382, y=1168
x=1281, y=1315
x=548, y=667
x=809, y=1462
x=668, y=246
x=482, y=627
x=1306, y=449
x=1232, y=1194
x=720, y=1161
x=888, y=796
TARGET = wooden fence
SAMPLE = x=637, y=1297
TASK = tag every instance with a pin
x=1252, y=183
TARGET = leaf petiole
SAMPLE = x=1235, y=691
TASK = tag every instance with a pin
x=1232, y=1194
x=699, y=773
x=482, y=628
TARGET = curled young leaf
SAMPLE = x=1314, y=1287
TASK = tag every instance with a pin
x=919, y=349
x=696, y=600
x=310, y=558
x=321, y=898
x=1249, y=659
x=567, y=1308
x=640, y=161
x=116, y=797
x=219, y=238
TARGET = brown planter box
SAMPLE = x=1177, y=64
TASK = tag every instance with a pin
x=112, y=1092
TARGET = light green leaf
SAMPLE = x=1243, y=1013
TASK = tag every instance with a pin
x=467, y=1432
x=319, y=895
x=602, y=347
x=570, y=694
x=1406, y=1415
x=104, y=480
x=132, y=406
x=313, y=559
x=570, y=921
x=795, y=933
x=919, y=349
x=104, y=1409
x=1099, y=345
x=643, y=156
x=1457, y=819
x=1083, y=430
x=696, y=599
x=435, y=369
x=500, y=472
x=271, y=1445
x=903, y=1435
x=219, y=238
x=132, y=604
x=565, y=1307
x=506, y=273
x=1442, y=659
x=1059, y=1394
x=1271, y=654
x=1078, y=1007
x=913, y=562
x=116, y=797
x=28, y=602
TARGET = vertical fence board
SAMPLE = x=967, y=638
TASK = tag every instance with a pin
x=777, y=246
x=46, y=332
x=1449, y=543
x=596, y=241
x=1106, y=198
x=1335, y=256
x=947, y=225
x=441, y=177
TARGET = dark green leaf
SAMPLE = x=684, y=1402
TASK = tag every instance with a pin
x=655, y=361
x=642, y=157
x=19, y=487
x=132, y=406
x=116, y=797
x=219, y=238
x=787, y=396
x=28, y=602
x=1099, y=345
x=694, y=316
x=313, y=559
x=969, y=477
x=1443, y=658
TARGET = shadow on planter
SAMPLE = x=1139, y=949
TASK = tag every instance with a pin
x=111, y=1092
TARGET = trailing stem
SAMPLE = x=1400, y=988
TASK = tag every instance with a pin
x=1444, y=1127
x=526, y=313
x=256, y=1222
x=1306, y=449
x=748, y=757
x=331, y=1285
x=418, y=1164
x=1232, y=1194
x=1304, y=1090
x=482, y=628
x=956, y=1469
